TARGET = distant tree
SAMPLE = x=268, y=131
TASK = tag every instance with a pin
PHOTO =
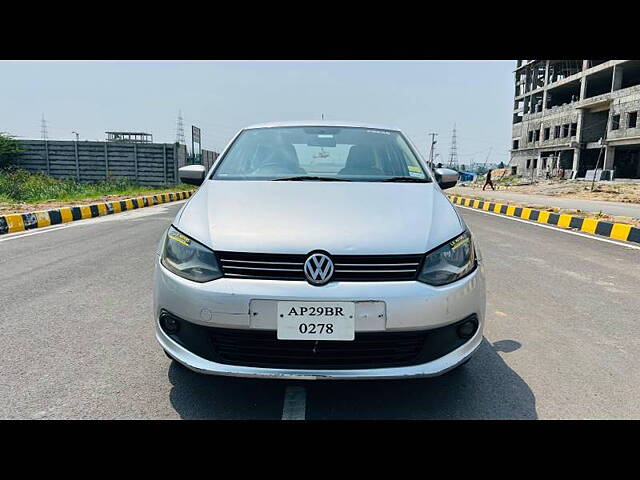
x=8, y=149
x=501, y=165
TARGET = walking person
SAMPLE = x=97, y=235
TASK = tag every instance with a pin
x=488, y=181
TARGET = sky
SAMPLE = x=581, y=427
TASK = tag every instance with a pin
x=221, y=97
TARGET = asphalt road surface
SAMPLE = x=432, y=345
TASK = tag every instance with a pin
x=562, y=338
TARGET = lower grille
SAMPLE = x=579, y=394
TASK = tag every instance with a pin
x=261, y=348
x=368, y=350
x=348, y=268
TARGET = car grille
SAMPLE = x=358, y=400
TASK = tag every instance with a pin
x=261, y=348
x=348, y=268
x=367, y=350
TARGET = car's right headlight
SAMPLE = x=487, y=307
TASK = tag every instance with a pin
x=452, y=261
x=184, y=256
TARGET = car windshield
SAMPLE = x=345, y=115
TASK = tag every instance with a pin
x=321, y=153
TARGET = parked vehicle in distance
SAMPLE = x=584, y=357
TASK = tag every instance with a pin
x=319, y=250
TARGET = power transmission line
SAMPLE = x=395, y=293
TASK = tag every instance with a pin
x=43, y=129
x=453, y=159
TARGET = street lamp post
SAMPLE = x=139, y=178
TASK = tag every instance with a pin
x=433, y=142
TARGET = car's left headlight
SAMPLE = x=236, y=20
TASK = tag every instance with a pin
x=184, y=256
x=450, y=262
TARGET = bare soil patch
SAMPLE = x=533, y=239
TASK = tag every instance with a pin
x=626, y=192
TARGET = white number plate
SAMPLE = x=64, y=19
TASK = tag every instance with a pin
x=316, y=320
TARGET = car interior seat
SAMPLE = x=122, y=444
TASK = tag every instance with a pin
x=280, y=159
x=360, y=161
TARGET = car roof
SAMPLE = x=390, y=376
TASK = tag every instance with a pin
x=320, y=123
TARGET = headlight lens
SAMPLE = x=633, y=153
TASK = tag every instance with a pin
x=449, y=263
x=189, y=259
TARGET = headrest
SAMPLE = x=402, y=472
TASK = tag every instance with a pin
x=360, y=156
x=284, y=154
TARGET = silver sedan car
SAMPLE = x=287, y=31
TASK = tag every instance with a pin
x=319, y=250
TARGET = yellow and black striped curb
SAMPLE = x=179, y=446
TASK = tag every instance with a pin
x=27, y=221
x=617, y=231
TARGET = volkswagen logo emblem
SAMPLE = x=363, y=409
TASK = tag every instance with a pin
x=318, y=269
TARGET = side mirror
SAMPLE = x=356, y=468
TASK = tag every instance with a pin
x=192, y=174
x=446, y=177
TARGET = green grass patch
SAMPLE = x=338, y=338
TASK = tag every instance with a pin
x=21, y=186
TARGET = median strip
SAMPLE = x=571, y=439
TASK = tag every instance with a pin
x=19, y=222
x=616, y=231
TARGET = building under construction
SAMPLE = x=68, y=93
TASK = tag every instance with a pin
x=571, y=115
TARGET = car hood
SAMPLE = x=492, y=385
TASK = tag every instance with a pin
x=337, y=217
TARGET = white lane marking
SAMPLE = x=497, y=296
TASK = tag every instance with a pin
x=295, y=403
x=38, y=231
x=557, y=229
x=129, y=214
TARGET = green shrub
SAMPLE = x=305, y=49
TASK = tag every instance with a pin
x=22, y=186
x=8, y=149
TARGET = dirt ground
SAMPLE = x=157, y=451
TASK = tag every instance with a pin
x=578, y=213
x=627, y=192
x=9, y=208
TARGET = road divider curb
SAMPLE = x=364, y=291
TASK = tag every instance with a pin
x=616, y=231
x=19, y=222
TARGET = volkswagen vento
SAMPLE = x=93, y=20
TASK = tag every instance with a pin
x=319, y=250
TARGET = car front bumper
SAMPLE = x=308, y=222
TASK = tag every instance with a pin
x=380, y=306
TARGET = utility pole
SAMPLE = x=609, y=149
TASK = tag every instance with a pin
x=433, y=142
x=77, y=136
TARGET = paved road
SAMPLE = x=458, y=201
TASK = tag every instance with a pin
x=562, y=338
x=612, y=208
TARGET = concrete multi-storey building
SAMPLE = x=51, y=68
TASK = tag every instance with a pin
x=569, y=115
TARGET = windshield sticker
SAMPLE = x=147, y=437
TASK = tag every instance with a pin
x=380, y=132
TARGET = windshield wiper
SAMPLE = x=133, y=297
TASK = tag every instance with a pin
x=406, y=179
x=308, y=178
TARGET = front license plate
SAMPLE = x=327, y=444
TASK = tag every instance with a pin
x=316, y=320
